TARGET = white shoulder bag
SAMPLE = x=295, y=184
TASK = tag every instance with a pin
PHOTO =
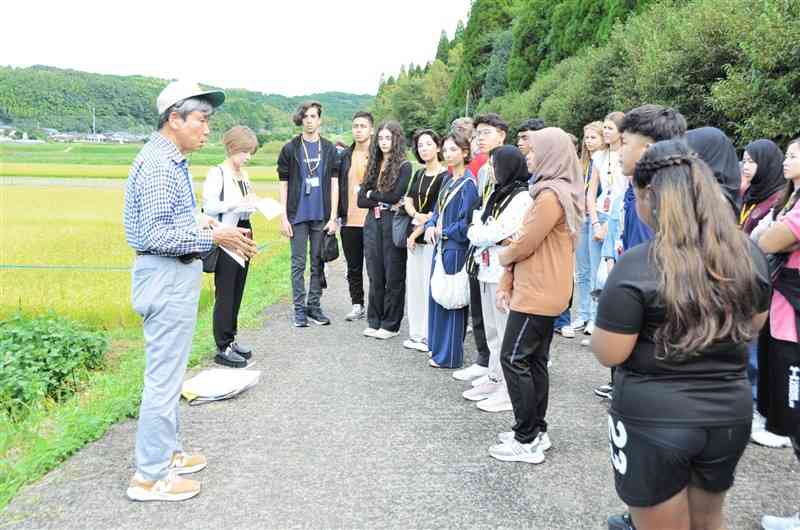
x=451, y=291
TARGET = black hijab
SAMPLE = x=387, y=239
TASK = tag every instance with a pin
x=769, y=174
x=716, y=150
x=510, y=176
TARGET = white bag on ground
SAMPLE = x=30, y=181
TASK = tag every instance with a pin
x=450, y=291
x=217, y=384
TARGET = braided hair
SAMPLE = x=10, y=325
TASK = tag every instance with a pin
x=708, y=296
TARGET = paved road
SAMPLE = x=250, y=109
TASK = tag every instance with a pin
x=350, y=432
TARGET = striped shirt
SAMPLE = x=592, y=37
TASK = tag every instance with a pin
x=159, y=203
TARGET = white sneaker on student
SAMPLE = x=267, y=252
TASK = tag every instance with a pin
x=482, y=380
x=369, y=332
x=567, y=332
x=589, y=329
x=543, y=438
x=513, y=451
x=770, y=522
x=357, y=313
x=383, y=334
x=578, y=325
x=483, y=391
x=768, y=439
x=759, y=422
x=497, y=402
x=471, y=372
x=418, y=345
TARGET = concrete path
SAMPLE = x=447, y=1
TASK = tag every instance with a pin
x=349, y=432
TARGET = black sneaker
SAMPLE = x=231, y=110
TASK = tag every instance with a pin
x=300, y=320
x=621, y=522
x=242, y=350
x=604, y=391
x=228, y=357
x=316, y=316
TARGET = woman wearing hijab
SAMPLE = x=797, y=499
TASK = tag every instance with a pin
x=763, y=182
x=491, y=229
x=762, y=173
x=536, y=288
x=717, y=150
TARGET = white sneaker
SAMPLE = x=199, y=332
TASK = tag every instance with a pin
x=770, y=522
x=357, y=313
x=497, y=402
x=585, y=342
x=589, y=329
x=549, y=363
x=567, y=332
x=418, y=345
x=514, y=451
x=471, y=372
x=483, y=391
x=482, y=380
x=759, y=422
x=578, y=325
x=369, y=332
x=768, y=439
x=544, y=439
x=383, y=334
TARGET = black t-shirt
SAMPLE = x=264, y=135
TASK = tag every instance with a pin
x=710, y=389
x=424, y=191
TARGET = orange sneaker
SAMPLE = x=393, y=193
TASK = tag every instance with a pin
x=171, y=488
x=184, y=463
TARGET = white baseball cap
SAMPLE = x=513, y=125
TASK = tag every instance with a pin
x=178, y=90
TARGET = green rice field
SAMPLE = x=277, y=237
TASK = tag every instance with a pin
x=63, y=248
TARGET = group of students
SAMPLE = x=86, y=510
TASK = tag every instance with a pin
x=664, y=233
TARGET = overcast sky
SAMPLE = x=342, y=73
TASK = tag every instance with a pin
x=285, y=47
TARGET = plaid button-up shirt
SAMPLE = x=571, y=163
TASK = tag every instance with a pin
x=159, y=203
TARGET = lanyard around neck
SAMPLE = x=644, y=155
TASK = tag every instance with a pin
x=312, y=170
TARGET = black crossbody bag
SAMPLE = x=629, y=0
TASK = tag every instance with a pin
x=210, y=258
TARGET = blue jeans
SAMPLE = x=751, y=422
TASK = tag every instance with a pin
x=582, y=271
x=564, y=319
x=752, y=366
x=165, y=292
x=595, y=256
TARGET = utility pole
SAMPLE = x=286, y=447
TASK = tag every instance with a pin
x=466, y=106
x=94, y=121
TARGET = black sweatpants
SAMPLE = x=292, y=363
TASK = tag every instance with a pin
x=523, y=356
x=478, y=329
x=229, y=279
x=353, y=246
x=386, y=266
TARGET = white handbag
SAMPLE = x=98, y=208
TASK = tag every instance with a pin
x=450, y=291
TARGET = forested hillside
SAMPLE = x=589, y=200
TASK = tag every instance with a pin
x=42, y=96
x=730, y=63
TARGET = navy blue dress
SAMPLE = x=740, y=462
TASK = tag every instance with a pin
x=447, y=327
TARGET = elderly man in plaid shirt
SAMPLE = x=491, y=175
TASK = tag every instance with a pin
x=161, y=225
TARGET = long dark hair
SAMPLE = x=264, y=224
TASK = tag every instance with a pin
x=789, y=197
x=706, y=279
x=385, y=180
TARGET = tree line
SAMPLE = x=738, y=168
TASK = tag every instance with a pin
x=43, y=96
x=734, y=64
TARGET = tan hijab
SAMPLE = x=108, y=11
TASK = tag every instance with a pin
x=557, y=169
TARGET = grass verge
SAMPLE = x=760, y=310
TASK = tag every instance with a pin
x=53, y=432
